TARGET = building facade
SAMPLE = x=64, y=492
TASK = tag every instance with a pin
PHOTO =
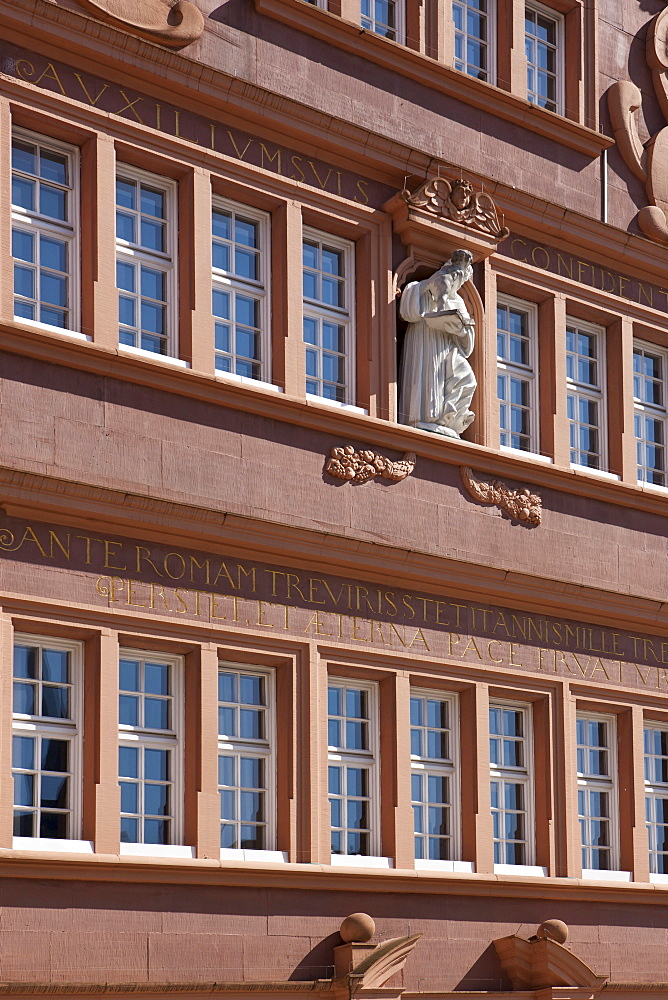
x=271, y=655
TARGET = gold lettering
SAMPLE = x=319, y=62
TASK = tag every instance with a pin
x=645, y=294
x=364, y=200
x=512, y=662
x=177, y=129
x=377, y=627
x=108, y=554
x=293, y=177
x=472, y=644
x=566, y=264
x=513, y=250
x=489, y=651
x=623, y=281
x=323, y=184
x=643, y=677
x=91, y=100
x=338, y=596
x=419, y=637
x=599, y=665
x=401, y=636
x=145, y=558
x=102, y=588
x=157, y=588
x=53, y=537
x=131, y=595
x=297, y=586
x=502, y=623
x=389, y=597
x=260, y=614
x=274, y=573
x=214, y=607
x=277, y=156
x=224, y=572
x=158, y=117
x=236, y=148
x=546, y=265
x=24, y=74
x=246, y=572
x=453, y=639
x=313, y=582
x=356, y=626
x=212, y=129
x=177, y=594
x=130, y=106
x=30, y=536
x=179, y=558
x=405, y=600
x=117, y=587
x=50, y=74
x=200, y=565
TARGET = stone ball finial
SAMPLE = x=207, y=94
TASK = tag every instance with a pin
x=553, y=930
x=358, y=927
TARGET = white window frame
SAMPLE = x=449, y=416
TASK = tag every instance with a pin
x=266, y=749
x=65, y=729
x=166, y=261
x=400, y=26
x=370, y=759
x=598, y=395
x=343, y=316
x=490, y=43
x=442, y=767
x=529, y=373
x=653, y=411
x=654, y=790
x=558, y=19
x=171, y=740
x=524, y=775
x=600, y=783
x=69, y=231
x=259, y=289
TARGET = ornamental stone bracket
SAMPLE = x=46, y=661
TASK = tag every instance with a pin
x=360, y=466
x=649, y=162
x=441, y=214
x=521, y=505
x=174, y=24
x=544, y=961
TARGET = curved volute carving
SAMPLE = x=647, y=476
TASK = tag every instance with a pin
x=648, y=162
x=173, y=24
x=384, y=962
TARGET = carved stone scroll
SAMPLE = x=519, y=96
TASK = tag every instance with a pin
x=456, y=200
x=360, y=466
x=521, y=505
x=174, y=25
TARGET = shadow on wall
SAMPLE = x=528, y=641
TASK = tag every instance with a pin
x=485, y=974
x=318, y=963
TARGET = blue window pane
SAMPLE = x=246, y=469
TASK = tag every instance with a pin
x=23, y=193
x=152, y=317
x=129, y=797
x=252, y=689
x=152, y=235
x=23, y=245
x=226, y=771
x=156, y=713
x=52, y=202
x=310, y=330
x=246, y=264
x=156, y=678
x=310, y=254
x=251, y=724
x=227, y=687
x=228, y=836
x=251, y=807
x=125, y=227
x=416, y=787
x=227, y=723
x=129, y=830
x=24, y=699
x=252, y=772
x=55, y=702
x=153, y=284
x=53, y=290
x=24, y=790
x=228, y=808
x=310, y=285
x=334, y=733
x=156, y=765
x=248, y=346
x=52, y=316
x=222, y=225
x=156, y=831
x=23, y=752
x=25, y=661
x=53, y=166
x=335, y=786
x=221, y=304
x=24, y=157
x=156, y=800
x=152, y=202
x=222, y=340
x=416, y=742
x=54, y=792
x=126, y=311
x=55, y=754
x=128, y=762
x=128, y=710
x=53, y=826
x=126, y=194
x=55, y=665
x=221, y=256
x=24, y=281
x=125, y=277
x=246, y=311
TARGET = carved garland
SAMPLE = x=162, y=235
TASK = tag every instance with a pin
x=360, y=466
x=456, y=200
x=521, y=505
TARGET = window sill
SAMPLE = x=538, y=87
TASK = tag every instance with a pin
x=360, y=861
x=139, y=352
x=606, y=876
x=653, y=488
x=43, y=844
x=36, y=325
x=445, y=866
x=600, y=473
x=659, y=879
x=323, y=401
x=156, y=851
x=236, y=854
x=536, y=871
x=306, y=17
x=243, y=380
x=531, y=456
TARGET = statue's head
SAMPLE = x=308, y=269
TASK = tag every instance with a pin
x=461, y=194
x=462, y=258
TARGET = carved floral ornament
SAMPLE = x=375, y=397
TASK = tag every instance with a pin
x=360, y=466
x=649, y=162
x=174, y=23
x=457, y=201
x=521, y=505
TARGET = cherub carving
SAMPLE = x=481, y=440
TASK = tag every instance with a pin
x=458, y=201
x=649, y=162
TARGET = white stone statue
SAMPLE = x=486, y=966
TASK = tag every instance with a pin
x=437, y=382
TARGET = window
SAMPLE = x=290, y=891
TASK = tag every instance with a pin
x=649, y=372
x=45, y=738
x=472, y=32
x=145, y=243
x=656, y=797
x=351, y=736
x=543, y=45
x=596, y=791
x=516, y=374
x=149, y=755
x=584, y=377
x=384, y=17
x=245, y=763
x=328, y=311
x=44, y=230
x=240, y=299
x=433, y=743
x=510, y=789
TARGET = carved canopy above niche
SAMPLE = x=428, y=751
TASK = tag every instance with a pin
x=173, y=24
x=442, y=214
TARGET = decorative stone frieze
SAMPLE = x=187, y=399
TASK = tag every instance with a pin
x=360, y=466
x=458, y=201
x=543, y=961
x=649, y=162
x=521, y=505
x=175, y=26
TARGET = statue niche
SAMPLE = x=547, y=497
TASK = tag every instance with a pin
x=437, y=381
